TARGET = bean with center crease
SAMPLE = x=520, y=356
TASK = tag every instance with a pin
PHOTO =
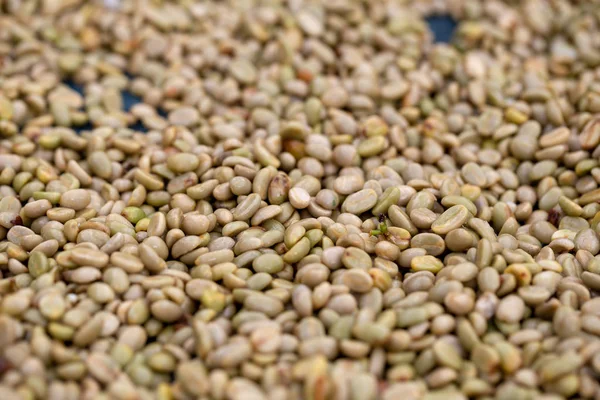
x=307, y=200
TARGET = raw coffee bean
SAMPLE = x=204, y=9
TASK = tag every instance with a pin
x=309, y=200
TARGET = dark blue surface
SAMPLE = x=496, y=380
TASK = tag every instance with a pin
x=79, y=89
x=129, y=100
x=442, y=27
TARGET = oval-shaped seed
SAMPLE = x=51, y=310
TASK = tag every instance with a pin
x=38, y=264
x=100, y=164
x=215, y=257
x=356, y=258
x=76, y=199
x=590, y=134
x=36, y=209
x=243, y=70
x=269, y=263
x=389, y=197
x=52, y=306
x=151, y=259
x=247, y=208
x=360, y=202
x=473, y=174
x=182, y=162
x=263, y=303
x=371, y=146
x=90, y=257
x=432, y=243
x=464, y=272
x=202, y=190
x=166, y=311
x=298, y=252
x=149, y=181
x=357, y=280
x=185, y=245
x=510, y=309
x=426, y=263
x=446, y=355
x=84, y=275
x=453, y=218
x=299, y=197
x=264, y=214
